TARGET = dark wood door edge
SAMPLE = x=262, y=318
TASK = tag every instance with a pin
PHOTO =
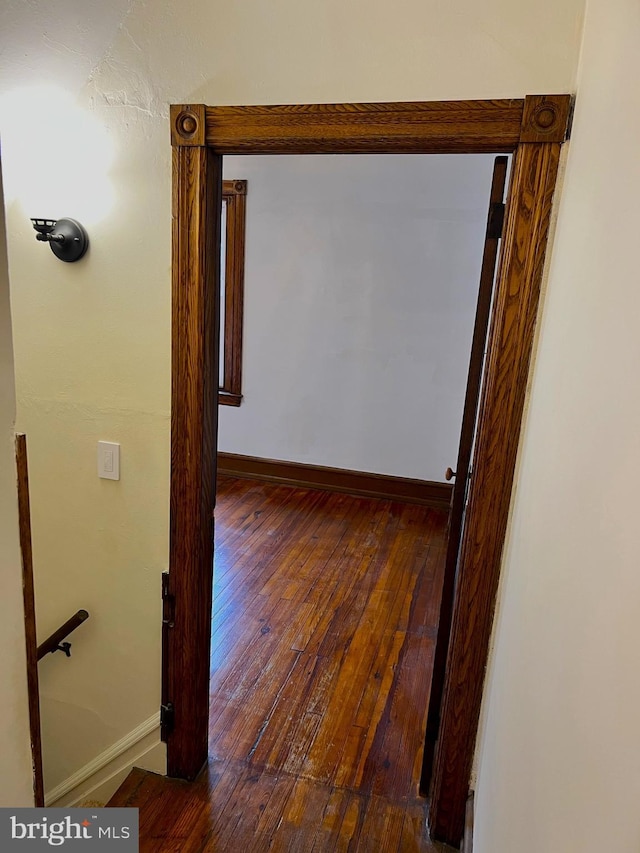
x=463, y=462
x=198, y=134
x=301, y=475
x=24, y=518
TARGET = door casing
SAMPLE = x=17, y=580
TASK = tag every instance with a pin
x=533, y=129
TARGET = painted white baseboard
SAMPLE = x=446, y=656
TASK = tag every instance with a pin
x=100, y=779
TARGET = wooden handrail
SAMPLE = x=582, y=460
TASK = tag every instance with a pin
x=54, y=642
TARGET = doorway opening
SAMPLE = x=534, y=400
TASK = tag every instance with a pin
x=534, y=129
x=361, y=289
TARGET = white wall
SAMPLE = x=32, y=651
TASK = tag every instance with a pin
x=92, y=340
x=16, y=783
x=559, y=763
x=360, y=292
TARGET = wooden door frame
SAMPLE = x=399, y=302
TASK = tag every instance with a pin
x=533, y=129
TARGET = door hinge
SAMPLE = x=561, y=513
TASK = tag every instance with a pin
x=167, y=720
x=168, y=603
x=167, y=712
x=496, y=220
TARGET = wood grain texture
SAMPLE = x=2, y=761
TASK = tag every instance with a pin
x=234, y=187
x=463, y=463
x=28, y=592
x=545, y=118
x=235, y=808
x=510, y=342
x=424, y=492
x=412, y=127
x=197, y=199
x=235, y=193
x=323, y=629
x=188, y=124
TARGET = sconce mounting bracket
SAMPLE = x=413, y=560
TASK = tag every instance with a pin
x=66, y=237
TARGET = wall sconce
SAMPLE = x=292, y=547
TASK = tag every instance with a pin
x=67, y=238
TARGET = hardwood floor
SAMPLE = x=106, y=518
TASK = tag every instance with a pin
x=325, y=612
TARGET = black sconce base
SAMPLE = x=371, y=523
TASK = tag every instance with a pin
x=75, y=243
x=66, y=237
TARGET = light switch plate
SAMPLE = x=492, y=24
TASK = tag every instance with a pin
x=108, y=460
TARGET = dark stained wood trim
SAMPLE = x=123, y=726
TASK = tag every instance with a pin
x=24, y=516
x=234, y=187
x=235, y=194
x=510, y=341
x=188, y=124
x=197, y=199
x=463, y=462
x=436, y=127
x=546, y=118
x=226, y=399
x=402, y=128
x=407, y=490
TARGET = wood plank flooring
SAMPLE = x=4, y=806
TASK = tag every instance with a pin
x=325, y=610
